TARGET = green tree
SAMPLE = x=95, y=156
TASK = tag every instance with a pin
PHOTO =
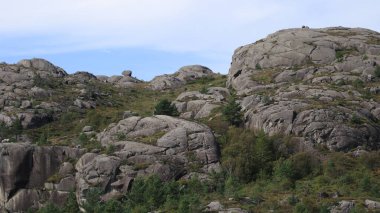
x=232, y=112
x=49, y=208
x=16, y=128
x=246, y=155
x=71, y=205
x=92, y=203
x=165, y=107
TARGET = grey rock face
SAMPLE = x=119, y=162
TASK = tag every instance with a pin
x=311, y=83
x=95, y=170
x=25, y=168
x=195, y=105
x=127, y=73
x=124, y=81
x=179, y=78
x=370, y=204
x=43, y=65
x=343, y=206
x=150, y=142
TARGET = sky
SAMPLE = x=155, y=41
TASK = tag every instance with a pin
x=154, y=37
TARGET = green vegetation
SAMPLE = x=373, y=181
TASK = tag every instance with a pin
x=373, y=40
x=356, y=120
x=54, y=178
x=71, y=206
x=232, y=112
x=245, y=155
x=165, y=107
x=264, y=169
x=258, y=66
x=111, y=104
x=150, y=139
x=259, y=173
x=358, y=84
x=264, y=76
x=342, y=33
x=377, y=71
x=11, y=132
x=341, y=53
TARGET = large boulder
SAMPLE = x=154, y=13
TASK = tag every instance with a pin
x=196, y=105
x=319, y=84
x=163, y=145
x=43, y=67
x=25, y=168
x=126, y=80
x=181, y=77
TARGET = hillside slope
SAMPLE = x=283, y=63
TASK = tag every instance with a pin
x=319, y=84
x=305, y=138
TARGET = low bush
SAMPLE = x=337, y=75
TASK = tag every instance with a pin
x=165, y=107
x=232, y=112
x=245, y=155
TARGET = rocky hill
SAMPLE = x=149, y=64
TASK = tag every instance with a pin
x=94, y=141
x=319, y=84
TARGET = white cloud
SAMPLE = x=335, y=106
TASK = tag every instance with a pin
x=174, y=25
x=210, y=27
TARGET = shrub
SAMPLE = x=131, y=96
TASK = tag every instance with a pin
x=293, y=200
x=297, y=166
x=356, y=120
x=92, y=203
x=48, y=208
x=338, y=165
x=112, y=206
x=71, y=204
x=232, y=112
x=258, y=66
x=246, y=155
x=358, y=84
x=377, y=71
x=43, y=139
x=371, y=160
x=110, y=149
x=165, y=107
x=203, y=90
x=305, y=164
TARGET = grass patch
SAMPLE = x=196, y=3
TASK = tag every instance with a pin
x=55, y=178
x=341, y=53
x=264, y=76
x=340, y=33
x=140, y=166
x=150, y=139
x=373, y=40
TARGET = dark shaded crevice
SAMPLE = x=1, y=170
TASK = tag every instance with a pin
x=294, y=116
x=237, y=73
x=22, y=174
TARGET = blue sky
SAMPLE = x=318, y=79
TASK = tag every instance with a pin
x=152, y=37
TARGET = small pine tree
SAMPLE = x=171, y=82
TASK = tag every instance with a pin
x=165, y=107
x=16, y=128
x=232, y=112
x=71, y=204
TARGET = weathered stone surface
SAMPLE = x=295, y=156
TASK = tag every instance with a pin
x=161, y=145
x=179, y=78
x=23, y=200
x=43, y=65
x=195, y=105
x=308, y=82
x=124, y=81
x=95, y=170
x=24, y=169
x=214, y=206
x=343, y=206
x=370, y=204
